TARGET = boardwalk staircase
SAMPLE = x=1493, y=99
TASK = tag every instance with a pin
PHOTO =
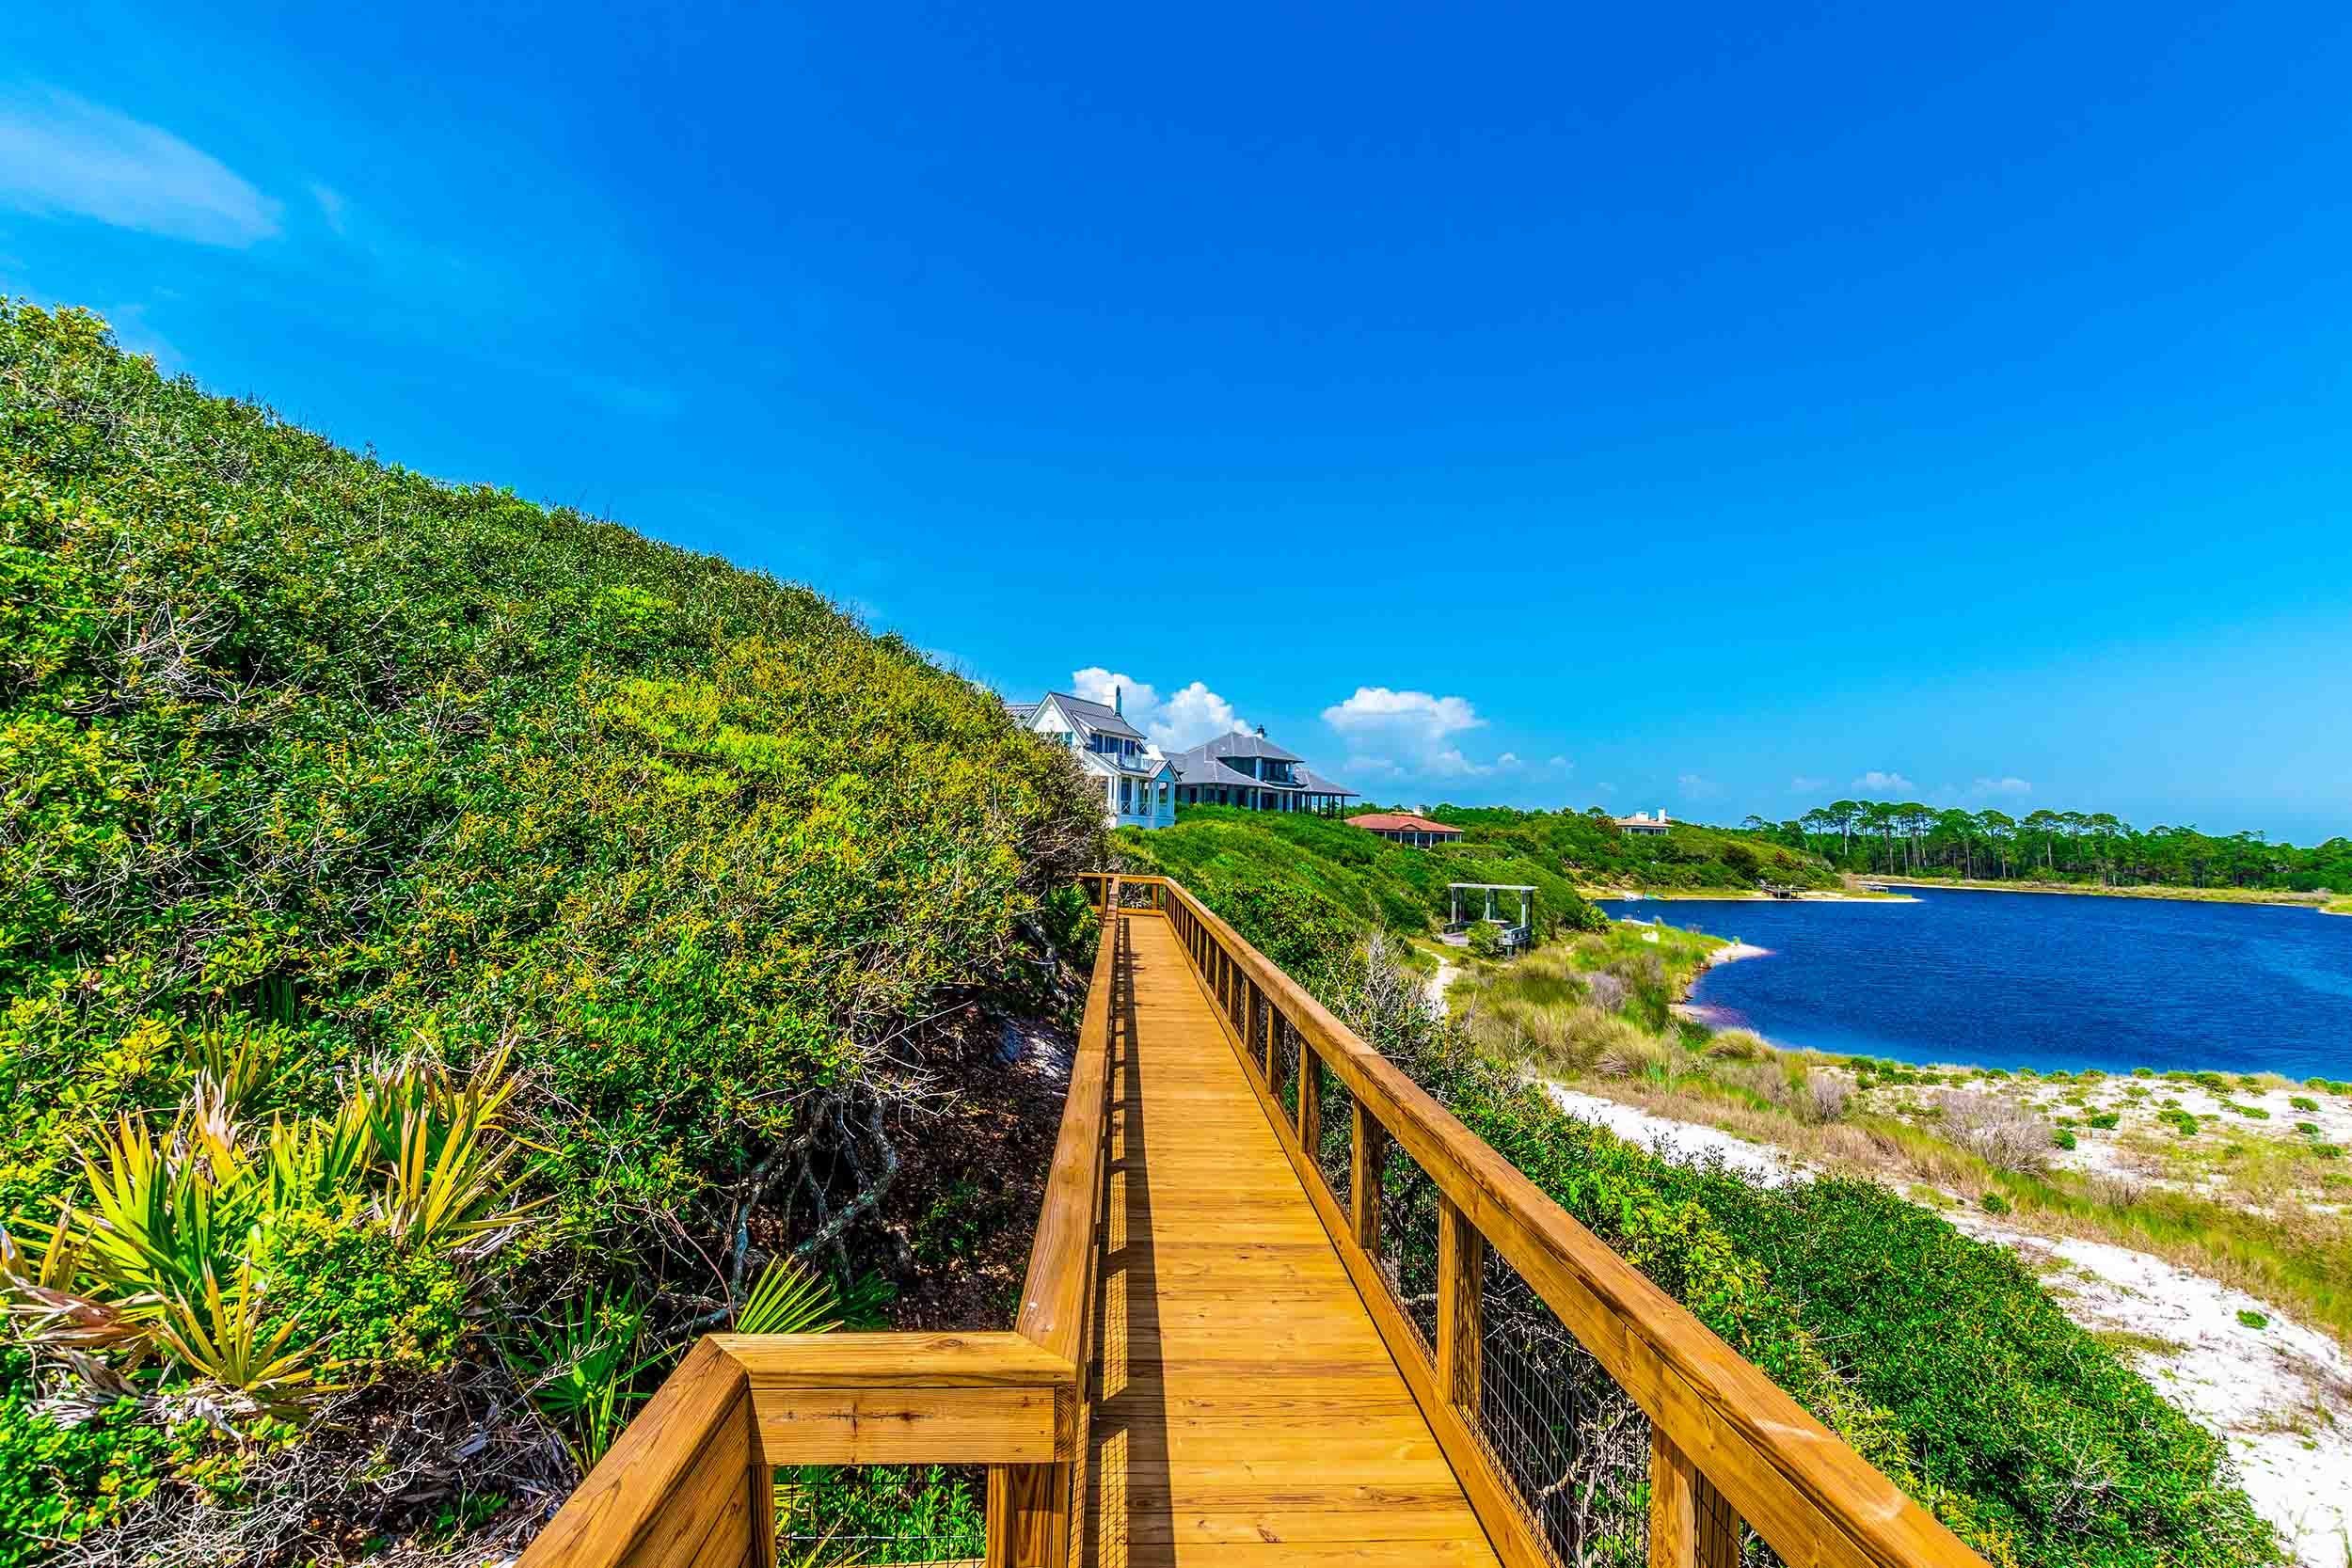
x=1282, y=1309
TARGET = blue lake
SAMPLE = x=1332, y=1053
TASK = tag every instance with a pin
x=2039, y=980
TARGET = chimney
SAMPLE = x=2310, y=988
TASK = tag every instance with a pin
x=1119, y=700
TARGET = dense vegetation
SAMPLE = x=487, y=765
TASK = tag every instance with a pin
x=1904, y=838
x=1365, y=880
x=447, y=947
x=1938, y=1358
x=1589, y=847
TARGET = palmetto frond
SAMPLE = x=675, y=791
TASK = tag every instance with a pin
x=224, y=1335
x=790, y=1298
x=41, y=1293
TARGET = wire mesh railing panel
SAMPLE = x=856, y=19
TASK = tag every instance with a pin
x=1725, y=1539
x=1335, y=1144
x=1571, y=1443
x=1285, y=1069
x=830, y=1515
x=1409, y=1242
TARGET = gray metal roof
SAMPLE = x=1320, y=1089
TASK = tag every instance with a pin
x=1204, y=764
x=1094, y=715
x=1244, y=746
x=1315, y=784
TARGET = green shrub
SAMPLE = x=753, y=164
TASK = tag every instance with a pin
x=342, y=1277
x=2308, y=1129
x=2252, y=1319
x=2062, y=1139
x=58, y=1482
x=885, y=1513
x=2303, y=1103
x=2143, y=1072
x=2328, y=1151
x=1994, y=1203
x=2107, y=1121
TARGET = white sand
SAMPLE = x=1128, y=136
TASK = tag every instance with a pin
x=2280, y=1396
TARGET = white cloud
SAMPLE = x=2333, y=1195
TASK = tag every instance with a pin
x=1452, y=764
x=1877, y=783
x=1372, y=768
x=332, y=207
x=1415, y=731
x=1376, y=707
x=2011, y=786
x=1177, y=722
x=1696, y=786
x=1806, y=784
x=60, y=154
x=1606, y=788
x=1561, y=765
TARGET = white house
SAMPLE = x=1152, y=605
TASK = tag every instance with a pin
x=1643, y=825
x=1138, y=787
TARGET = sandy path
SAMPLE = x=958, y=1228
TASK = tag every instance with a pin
x=2280, y=1396
x=1438, y=983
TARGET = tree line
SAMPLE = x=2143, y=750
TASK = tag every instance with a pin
x=1906, y=838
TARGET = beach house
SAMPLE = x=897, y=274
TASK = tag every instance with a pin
x=1406, y=827
x=1138, y=787
x=1643, y=825
x=1249, y=771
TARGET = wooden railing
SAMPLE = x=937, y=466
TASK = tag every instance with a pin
x=1727, y=1447
x=691, y=1481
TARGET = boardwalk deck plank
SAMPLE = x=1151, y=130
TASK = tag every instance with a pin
x=1244, y=1409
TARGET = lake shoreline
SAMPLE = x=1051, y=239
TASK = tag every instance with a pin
x=1731, y=950
x=2050, y=984
x=1738, y=896
x=2284, y=897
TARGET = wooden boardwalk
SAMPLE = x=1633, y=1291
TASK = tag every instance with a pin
x=1242, y=1407
x=1209, y=1366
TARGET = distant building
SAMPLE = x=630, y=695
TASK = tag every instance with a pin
x=1250, y=770
x=1405, y=827
x=1641, y=825
x=1138, y=787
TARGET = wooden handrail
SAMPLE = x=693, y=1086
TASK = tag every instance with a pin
x=691, y=1482
x=1720, y=1421
x=1030, y=1507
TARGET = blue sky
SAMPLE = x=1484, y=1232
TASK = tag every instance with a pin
x=1699, y=407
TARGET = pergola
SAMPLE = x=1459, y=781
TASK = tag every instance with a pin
x=1522, y=932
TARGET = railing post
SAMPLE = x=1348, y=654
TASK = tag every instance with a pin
x=1028, y=1516
x=1674, y=1511
x=1690, y=1524
x=1461, y=1286
x=1367, y=1158
x=763, y=1484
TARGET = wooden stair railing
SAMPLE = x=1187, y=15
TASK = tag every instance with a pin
x=1728, y=1446
x=691, y=1482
